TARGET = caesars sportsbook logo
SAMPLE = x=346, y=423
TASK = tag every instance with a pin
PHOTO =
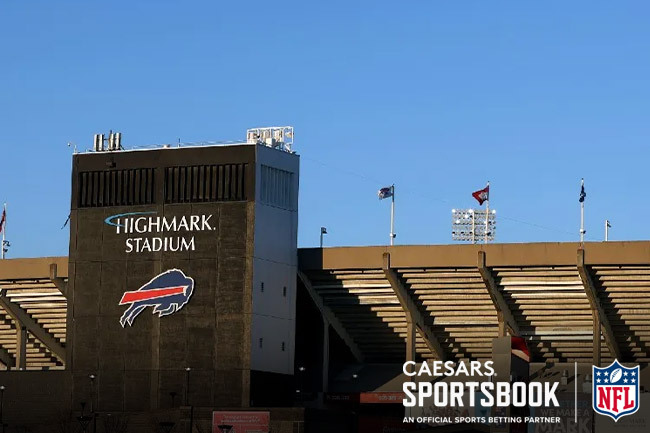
x=146, y=232
x=457, y=394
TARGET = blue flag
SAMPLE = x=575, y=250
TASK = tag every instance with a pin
x=385, y=192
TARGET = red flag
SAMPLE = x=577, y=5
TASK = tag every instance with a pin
x=482, y=194
x=3, y=220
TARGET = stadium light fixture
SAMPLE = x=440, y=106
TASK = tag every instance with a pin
x=84, y=420
x=470, y=225
x=277, y=137
x=187, y=399
x=187, y=385
x=301, y=378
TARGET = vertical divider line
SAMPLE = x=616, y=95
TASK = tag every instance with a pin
x=575, y=387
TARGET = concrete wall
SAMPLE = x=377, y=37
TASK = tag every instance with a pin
x=31, y=396
x=138, y=366
x=275, y=260
x=457, y=255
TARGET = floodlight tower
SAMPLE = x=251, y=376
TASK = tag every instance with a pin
x=468, y=225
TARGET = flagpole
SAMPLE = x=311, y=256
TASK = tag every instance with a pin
x=4, y=231
x=487, y=213
x=582, y=214
x=392, y=214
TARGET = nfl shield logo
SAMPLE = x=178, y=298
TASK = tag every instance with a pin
x=615, y=390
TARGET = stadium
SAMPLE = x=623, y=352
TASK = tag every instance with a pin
x=185, y=304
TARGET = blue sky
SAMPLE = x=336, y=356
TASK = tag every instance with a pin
x=435, y=96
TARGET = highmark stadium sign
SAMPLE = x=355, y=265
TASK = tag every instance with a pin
x=478, y=389
x=148, y=232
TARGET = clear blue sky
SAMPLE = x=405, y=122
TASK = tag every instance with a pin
x=435, y=96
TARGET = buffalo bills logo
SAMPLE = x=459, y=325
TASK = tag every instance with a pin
x=615, y=390
x=166, y=294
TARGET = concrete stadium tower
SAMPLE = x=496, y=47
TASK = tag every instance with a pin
x=182, y=274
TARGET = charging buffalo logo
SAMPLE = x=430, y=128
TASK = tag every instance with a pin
x=616, y=390
x=166, y=294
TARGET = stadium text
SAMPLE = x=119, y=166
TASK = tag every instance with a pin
x=144, y=223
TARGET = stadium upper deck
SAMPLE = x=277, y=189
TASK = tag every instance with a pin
x=457, y=298
x=33, y=312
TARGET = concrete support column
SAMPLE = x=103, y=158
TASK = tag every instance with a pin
x=21, y=347
x=411, y=334
x=326, y=354
x=596, y=340
x=502, y=324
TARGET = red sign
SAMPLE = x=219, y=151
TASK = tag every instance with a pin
x=366, y=397
x=342, y=397
x=382, y=397
x=240, y=422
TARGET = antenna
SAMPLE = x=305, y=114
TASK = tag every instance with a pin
x=114, y=142
x=98, y=145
